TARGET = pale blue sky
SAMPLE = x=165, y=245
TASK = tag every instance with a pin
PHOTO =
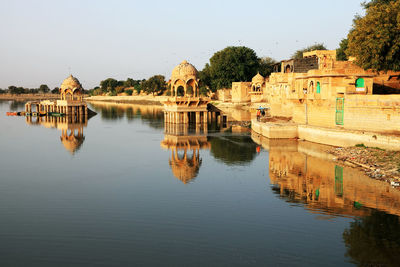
x=40, y=40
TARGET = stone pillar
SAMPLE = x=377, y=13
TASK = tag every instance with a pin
x=186, y=117
x=198, y=117
x=205, y=118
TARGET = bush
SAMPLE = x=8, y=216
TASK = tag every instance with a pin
x=129, y=91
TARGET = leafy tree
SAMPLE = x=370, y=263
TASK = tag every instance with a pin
x=266, y=66
x=43, y=88
x=129, y=82
x=129, y=91
x=2, y=91
x=341, y=51
x=119, y=89
x=232, y=64
x=32, y=91
x=374, y=39
x=108, y=84
x=375, y=2
x=155, y=84
x=299, y=53
x=56, y=90
x=16, y=90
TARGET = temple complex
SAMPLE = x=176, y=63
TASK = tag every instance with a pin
x=185, y=105
x=70, y=102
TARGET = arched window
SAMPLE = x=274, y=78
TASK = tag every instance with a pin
x=318, y=88
x=360, y=85
x=311, y=87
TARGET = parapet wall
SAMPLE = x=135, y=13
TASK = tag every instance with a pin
x=327, y=136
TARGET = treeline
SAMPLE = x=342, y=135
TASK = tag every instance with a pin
x=15, y=90
x=155, y=85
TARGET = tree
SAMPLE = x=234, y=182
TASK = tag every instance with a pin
x=108, y=84
x=232, y=64
x=56, y=90
x=155, y=84
x=43, y=88
x=374, y=39
x=129, y=82
x=299, y=53
x=16, y=90
x=375, y=2
x=266, y=66
x=119, y=89
x=341, y=51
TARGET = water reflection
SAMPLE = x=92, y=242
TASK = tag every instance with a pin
x=374, y=240
x=302, y=172
x=71, y=128
x=17, y=105
x=152, y=115
x=185, y=144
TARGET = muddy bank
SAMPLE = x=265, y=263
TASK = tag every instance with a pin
x=376, y=163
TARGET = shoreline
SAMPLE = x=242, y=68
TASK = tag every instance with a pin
x=139, y=100
x=25, y=97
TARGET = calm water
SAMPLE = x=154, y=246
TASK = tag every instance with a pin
x=121, y=189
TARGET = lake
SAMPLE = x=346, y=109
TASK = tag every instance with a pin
x=123, y=189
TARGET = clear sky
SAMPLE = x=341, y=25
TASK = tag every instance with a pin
x=43, y=41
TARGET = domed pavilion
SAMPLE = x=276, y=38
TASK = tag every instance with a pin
x=70, y=102
x=71, y=89
x=257, y=83
x=184, y=77
x=185, y=105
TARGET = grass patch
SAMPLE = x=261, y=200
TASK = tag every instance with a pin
x=361, y=145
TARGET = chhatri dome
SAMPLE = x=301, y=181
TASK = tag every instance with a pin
x=184, y=75
x=258, y=78
x=184, y=71
x=71, y=88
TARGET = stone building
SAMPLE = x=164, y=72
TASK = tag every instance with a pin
x=70, y=102
x=185, y=105
x=320, y=91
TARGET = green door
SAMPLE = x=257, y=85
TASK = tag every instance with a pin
x=339, y=110
x=318, y=88
x=338, y=181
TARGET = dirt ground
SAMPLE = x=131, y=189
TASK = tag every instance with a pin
x=375, y=162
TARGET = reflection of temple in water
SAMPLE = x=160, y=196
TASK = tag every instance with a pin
x=302, y=172
x=71, y=128
x=185, y=145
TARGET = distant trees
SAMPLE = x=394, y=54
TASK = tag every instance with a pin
x=299, y=53
x=155, y=84
x=56, y=90
x=43, y=88
x=232, y=64
x=374, y=39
